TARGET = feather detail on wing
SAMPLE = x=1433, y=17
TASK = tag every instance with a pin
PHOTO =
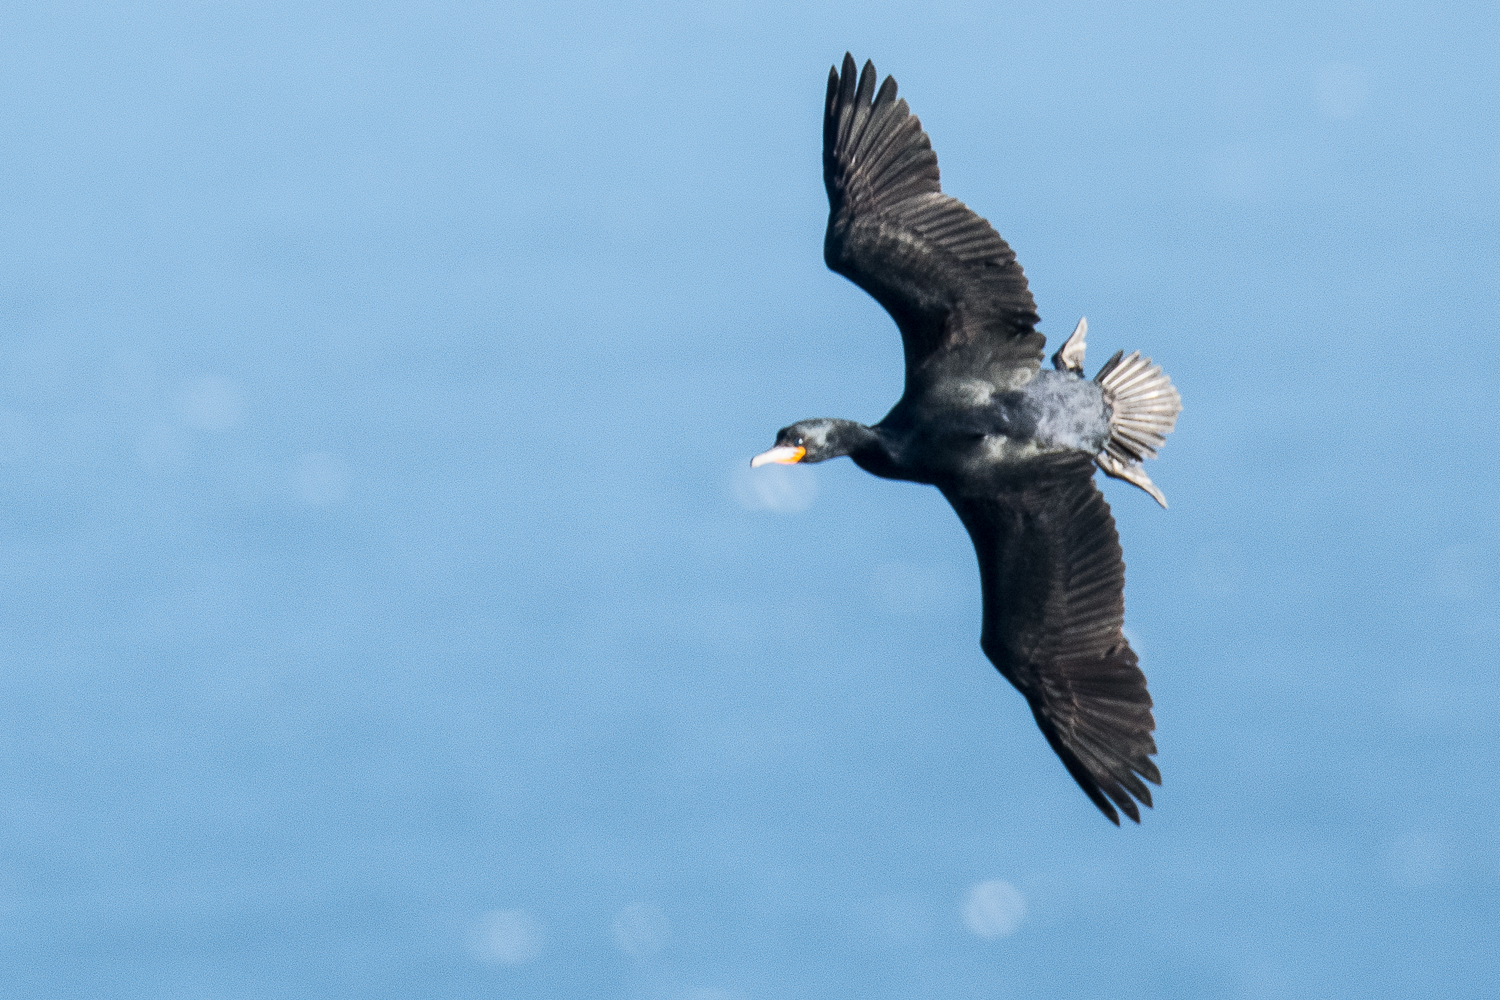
x=941, y=271
x=1054, y=579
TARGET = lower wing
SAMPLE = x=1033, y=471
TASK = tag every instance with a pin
x=1054, y=605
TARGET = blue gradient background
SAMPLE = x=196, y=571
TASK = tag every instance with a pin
x=387, y=611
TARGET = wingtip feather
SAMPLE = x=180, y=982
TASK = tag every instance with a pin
x=867, y=82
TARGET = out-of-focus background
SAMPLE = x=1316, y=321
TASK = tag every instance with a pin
x=387, y=610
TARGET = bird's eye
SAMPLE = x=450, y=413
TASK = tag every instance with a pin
x=799, y=442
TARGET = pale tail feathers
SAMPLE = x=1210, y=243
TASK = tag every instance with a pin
x=1144, y=406
x=1133, y=474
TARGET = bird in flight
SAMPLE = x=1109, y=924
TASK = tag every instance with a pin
x=1012, y=447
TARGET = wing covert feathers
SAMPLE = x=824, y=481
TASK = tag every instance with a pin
x=940, y=270
x=1054, y=578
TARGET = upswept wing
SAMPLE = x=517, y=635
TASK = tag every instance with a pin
x=1054, y=602
x=942, y=272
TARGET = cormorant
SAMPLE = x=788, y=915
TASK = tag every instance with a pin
x=1012, y=447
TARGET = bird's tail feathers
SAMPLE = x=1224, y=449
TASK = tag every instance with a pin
x=1143, y=410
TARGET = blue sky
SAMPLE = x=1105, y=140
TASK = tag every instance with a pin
x=386, y=608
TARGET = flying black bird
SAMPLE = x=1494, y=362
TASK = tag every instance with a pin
x=1012, y=447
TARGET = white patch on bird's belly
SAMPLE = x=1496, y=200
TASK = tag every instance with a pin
x=1019, y=379
x=972, y=391
x=999, y=448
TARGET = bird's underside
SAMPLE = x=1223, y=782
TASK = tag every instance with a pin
x=1050, y=563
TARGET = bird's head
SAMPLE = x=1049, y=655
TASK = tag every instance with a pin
x=809, y=441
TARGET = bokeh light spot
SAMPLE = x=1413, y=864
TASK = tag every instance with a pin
x=994, y=909
x=506, y=937
x=212, y=404
x=780, y=488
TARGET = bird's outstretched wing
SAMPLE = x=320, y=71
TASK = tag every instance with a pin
x=1054, y=579
x=945, y=276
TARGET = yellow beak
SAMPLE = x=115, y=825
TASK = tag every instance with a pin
x=782, y=454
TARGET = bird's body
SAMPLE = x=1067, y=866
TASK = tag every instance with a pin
x=964, y=428
x=1012, y=447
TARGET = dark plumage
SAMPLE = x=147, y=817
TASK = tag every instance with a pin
x=1013, y=448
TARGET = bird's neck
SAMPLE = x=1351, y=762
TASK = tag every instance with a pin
x=868, y=448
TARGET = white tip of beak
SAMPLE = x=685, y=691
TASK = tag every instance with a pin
x=782, y=454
